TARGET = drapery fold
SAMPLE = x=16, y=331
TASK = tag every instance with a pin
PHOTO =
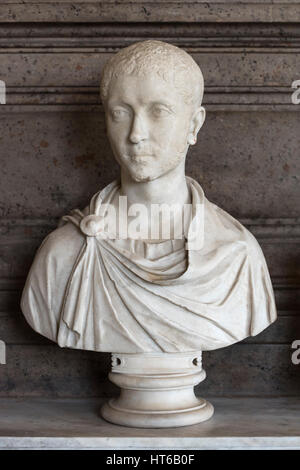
x=132, y=296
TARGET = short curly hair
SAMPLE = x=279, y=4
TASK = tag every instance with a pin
x=172, y=64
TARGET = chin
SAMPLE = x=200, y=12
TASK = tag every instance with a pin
x=143, y=174
x=143, y=178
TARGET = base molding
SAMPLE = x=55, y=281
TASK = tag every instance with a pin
x=157, y=390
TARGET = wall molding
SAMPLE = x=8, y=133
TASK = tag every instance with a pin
x=112, y=36
x=169, y=11
x=216, y=98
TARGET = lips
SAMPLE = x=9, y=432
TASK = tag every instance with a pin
x=144, y=155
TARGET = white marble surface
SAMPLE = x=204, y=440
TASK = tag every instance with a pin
x=151, y=265
x=239, y=423
x=157, y=390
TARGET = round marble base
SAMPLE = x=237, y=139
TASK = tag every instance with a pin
x=157, y=390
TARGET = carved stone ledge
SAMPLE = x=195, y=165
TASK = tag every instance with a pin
x=171, y=11
x=215, y=97
x=75, y=424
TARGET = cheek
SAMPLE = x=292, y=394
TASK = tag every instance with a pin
x=163, y=132
x=175, y=136
x=117, y=135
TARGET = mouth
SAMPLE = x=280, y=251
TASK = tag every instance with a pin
x=140, y=157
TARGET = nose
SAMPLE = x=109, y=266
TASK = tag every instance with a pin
x=138, y=130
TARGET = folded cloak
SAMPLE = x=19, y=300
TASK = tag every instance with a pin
x=87, y=292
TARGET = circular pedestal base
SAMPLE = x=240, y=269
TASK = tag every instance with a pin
x=157, y=390
x=156, y=419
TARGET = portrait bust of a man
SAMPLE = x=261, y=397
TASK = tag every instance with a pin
x=202, y=285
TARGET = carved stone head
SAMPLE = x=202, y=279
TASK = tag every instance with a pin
x=152, y=93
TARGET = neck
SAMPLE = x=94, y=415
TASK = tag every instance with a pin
x=170, y=188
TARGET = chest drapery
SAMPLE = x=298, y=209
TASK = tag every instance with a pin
x=128, y=296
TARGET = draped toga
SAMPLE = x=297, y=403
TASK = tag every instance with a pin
x=129, y=296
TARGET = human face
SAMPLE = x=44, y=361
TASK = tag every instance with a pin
x=148, y=124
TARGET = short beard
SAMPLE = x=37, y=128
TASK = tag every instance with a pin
x=139, y=178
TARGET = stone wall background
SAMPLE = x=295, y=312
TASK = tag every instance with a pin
x=54, y=155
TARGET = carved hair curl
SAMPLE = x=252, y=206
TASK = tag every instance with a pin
x=169, y=62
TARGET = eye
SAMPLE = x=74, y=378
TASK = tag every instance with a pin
x=119, y=113
x=160, y=111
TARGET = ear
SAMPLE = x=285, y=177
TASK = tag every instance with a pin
x=196, y=124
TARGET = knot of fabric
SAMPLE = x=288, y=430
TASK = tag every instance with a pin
x=91, y=225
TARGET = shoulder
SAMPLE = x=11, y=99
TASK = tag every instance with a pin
x=224, y=229
x=45, y=286
x=241, y=246
x=62, y=243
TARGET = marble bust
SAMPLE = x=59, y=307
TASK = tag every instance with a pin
x=93, y=287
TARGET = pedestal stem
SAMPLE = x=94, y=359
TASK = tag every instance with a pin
x=157, y=390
